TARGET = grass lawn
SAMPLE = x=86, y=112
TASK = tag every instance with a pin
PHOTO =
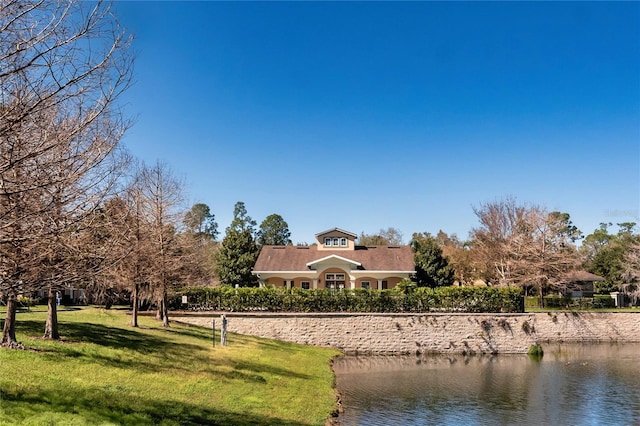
x=106, y=372
x=530, y=309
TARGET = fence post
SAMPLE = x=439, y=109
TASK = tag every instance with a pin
x=223, y=334
x=213, y=327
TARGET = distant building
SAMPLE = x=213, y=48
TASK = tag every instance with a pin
x=334, y=262
x=580, y=284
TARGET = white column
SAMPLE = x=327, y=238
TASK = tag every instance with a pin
x=315, y=283
x=379, y=284
x=352, y=282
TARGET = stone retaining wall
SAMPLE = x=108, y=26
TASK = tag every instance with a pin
x=430, y=333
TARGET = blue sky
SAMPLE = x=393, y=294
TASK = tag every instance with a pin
x=368, y=115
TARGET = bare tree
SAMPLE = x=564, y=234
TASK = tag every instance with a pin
x=385, y=237
x=133, y=271
x=542, y=252
x=500, y=222
x=85, y=172
x=526, y=245
x=198, y=258
x=129, y=231
x=162, y=196
x=63, y=65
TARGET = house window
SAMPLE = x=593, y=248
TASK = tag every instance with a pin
x=365, y=284
x=336, y=281
x=385, y=285
x=306, y=285
x=335, y=242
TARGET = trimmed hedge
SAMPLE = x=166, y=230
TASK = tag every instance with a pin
x=269, y=299
x=598, y=301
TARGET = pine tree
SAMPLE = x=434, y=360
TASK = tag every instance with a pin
x=239, y=251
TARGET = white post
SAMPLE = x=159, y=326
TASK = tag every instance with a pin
x=223, y=332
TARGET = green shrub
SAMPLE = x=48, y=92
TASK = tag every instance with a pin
x=423, y=299
x=568, y=302
x=535, y=351
x=603, y=301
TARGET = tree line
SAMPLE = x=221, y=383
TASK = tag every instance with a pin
x=524, y=245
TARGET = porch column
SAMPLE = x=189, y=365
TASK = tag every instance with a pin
x=352, y=282
x=315, y=283
x=379, y=284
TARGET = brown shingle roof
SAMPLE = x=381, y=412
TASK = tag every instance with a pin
x=291, y=258
x=575, y=276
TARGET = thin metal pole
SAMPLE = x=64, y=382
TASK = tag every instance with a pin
x=214, y=333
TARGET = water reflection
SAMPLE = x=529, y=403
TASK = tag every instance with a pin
x=571, y=385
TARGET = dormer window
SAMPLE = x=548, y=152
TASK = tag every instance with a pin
x=336, y=242
x=335, y=238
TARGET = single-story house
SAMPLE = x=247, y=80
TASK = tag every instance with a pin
x=336, y=262
x=580, y=283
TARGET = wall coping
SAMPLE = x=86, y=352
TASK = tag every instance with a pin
x=229, y=314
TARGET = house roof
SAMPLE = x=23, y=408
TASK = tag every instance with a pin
x=293, y=258
x=576, y=276
x=328, y=231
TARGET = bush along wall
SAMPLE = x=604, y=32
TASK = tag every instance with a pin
x=269, y=299
x=556, y=302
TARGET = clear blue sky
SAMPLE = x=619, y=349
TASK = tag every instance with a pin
x=366, y=115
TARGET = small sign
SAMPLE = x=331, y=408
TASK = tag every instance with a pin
x=184, y=300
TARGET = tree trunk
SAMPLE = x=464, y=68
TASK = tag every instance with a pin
x=160, y=311
x=165, y=312
x=134, y=310
x=51, y=326
x=9, y=329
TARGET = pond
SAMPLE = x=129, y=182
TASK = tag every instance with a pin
x=570, y=385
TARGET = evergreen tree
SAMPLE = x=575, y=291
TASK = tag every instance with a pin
x=432, y=268
x=241, y=220
x=239, y=251
x=604, y=254
x=274, y=231
x=199, y=220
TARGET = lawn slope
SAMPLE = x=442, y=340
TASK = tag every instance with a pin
x=106, y=372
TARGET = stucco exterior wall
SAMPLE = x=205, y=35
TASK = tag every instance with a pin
x=431, y=333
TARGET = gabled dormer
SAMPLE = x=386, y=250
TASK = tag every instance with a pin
x=336, y=239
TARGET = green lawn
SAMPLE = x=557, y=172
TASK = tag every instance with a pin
x=106, y=372
x=532, y=309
